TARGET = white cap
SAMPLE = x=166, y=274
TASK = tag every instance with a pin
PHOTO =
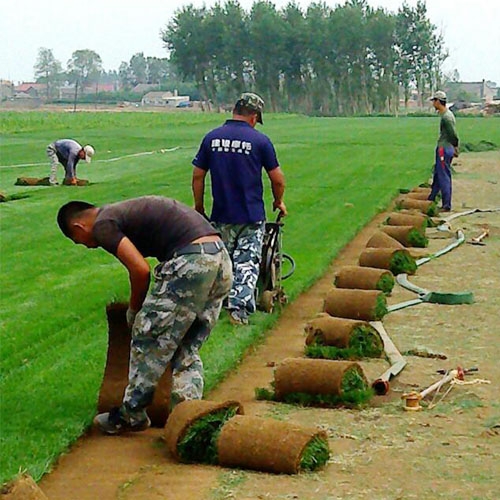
x=89, y=152
x=439, y=94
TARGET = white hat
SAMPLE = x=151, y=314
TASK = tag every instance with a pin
x=439, y=94
x=89, y=152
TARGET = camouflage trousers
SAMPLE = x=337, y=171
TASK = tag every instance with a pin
x=175, y=319
x=54, y=163
x=244, y=244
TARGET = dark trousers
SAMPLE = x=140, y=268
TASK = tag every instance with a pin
x=441, y=180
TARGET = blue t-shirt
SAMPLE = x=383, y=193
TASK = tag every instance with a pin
x=235, y=155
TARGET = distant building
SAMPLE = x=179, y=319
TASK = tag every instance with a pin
x=32, y=89
x=142, y=88
x=484, y=91
x=163, y=98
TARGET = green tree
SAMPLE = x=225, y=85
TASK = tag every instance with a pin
x=266, y=28
x=294, y=58
x=48, y=70
x=84, y=68
x=185, y=38
x=138, y=68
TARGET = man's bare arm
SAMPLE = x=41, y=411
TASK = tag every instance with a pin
x=138, y=270
x=198, y=186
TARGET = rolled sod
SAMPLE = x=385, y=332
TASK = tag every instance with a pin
x=421, y=189
x=341, y=338
x=425, y=206
x=418, y=195
x=115, y=378
x=269, y=445
x=23, y=487
x=397, y=261
x=409, y=236
x=367, y=305
x=383, y=240
x=365, y=278
x=193, y=426
x=320, y=382
x=414, y=219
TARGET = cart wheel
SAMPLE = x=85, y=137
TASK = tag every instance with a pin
x=267, y=301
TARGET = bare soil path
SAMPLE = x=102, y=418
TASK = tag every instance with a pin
x=381, y=452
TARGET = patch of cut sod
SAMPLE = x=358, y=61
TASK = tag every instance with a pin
x=417, y=239
x=355, y=392
x=402, y=262
x=199, y=444
x=386, y=283
x=364, y=342
x=315, y=455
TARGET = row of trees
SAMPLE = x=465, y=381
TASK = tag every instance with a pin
x=350, y=59
x=84, y=69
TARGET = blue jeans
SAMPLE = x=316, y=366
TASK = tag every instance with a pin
x=441, y=180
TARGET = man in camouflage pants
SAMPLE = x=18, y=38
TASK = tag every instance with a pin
x=235, y=155
x=171, y=321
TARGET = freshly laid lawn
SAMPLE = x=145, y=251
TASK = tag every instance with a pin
x=340, y=173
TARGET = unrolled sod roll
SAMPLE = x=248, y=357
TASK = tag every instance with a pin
x=367, y=305
x=312, y=376
x=187, y=413
x=404, y=219
x=383, y=240
x=409, y=236
x=115, y=378
x=365, y=278
x=267, y=445
x=32, y=181
x=396, y=260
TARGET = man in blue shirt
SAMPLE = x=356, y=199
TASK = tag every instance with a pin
x=235, y=155
x=68, y=153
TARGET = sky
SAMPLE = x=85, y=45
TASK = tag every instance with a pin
x=118, y=29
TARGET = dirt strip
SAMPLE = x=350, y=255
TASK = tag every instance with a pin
x=381, y=452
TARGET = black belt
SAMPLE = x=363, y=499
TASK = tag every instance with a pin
x=209, y=247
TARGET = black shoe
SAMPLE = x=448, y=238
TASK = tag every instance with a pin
x=114, y=423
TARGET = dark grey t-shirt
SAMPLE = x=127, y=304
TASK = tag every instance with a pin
x=157, y=226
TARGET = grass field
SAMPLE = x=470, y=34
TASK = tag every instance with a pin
x=340, y=173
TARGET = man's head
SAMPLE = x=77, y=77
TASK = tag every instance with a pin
x=76, y=221
x=438, y=97
x=249, y=105
x=87, y=152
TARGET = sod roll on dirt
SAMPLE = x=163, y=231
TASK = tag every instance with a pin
x=320, y=381
x=341, y=338
x=409, y=236
x=269, y=445
x=116, y=372
x=396, y=260
x=22, y=487
x=402, y=219
x=193, y=426
x=379, y=239
x=367, y=305
x=365, y=278
x=417, y=195
x=425, y=206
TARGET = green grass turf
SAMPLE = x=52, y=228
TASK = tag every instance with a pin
x=53, y=331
